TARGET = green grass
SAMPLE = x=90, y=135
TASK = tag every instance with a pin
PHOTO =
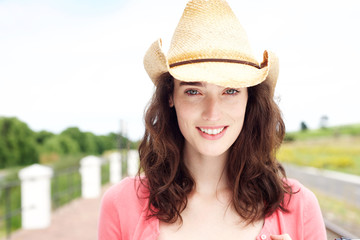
x=65, y=185
x=105, y=173
x=336, y=148
x=11, y=197
x=344, y=130
x=340, y=154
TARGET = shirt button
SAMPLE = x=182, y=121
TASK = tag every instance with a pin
x=263, y=237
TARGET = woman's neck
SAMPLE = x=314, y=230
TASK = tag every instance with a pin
x=208, y=171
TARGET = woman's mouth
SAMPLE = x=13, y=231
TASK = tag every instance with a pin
x=212, y=131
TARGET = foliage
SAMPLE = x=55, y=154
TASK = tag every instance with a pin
x=10, y=192
x=20, y=146
x=303, y=126
x=109, y=142
x=338, y=131
x=17, y=143
x=42, y=136
x=76, y=135
x=289, y=137
x=92, y=144
x=340, y=154
x=105, y=173
x=65, y=185
x=60, y=144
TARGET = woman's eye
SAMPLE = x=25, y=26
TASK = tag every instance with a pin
x=192, y=92
x=231, y=91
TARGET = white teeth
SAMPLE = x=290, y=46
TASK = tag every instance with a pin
x=212, y=131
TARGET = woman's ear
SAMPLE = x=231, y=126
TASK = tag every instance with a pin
x=171, y=101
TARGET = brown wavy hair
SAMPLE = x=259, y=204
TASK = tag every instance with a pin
x=254, y=175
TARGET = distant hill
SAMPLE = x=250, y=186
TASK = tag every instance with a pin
x=336, y=131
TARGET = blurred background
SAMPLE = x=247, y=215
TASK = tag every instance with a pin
x=72, y=84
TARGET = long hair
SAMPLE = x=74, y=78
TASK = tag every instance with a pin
x=254, y=175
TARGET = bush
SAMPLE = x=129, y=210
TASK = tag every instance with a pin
x=17, y=143
x=60, y=144
x=42, y=136
x=289, y=137
x=20, y=146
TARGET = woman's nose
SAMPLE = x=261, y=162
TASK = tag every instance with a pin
x=211, y=109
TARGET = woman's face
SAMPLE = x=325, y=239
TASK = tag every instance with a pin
x=210, y=117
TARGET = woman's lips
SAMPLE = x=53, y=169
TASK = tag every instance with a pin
x=213, y=132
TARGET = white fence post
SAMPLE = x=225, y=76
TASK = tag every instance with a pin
x=115, y=167
x=90, y=170
x=132, y=162
x=35, y=196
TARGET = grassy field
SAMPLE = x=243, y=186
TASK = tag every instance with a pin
x=330, y=132
x=335, y=148
x=339, y=154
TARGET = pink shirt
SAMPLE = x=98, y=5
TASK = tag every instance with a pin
x=123, y=215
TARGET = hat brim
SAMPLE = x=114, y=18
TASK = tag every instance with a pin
x=224, y=74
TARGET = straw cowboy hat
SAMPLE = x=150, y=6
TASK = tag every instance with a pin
x=210, y=45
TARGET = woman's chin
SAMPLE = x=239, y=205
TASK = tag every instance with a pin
x=211, y=152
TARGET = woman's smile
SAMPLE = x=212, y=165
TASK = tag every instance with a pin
x=212, y=133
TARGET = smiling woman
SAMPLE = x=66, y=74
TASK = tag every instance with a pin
x=212, y=129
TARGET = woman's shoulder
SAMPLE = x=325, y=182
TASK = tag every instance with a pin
x=123, y=211
x=303, y=218
x=128, y=193
x=302, y=201
x=300, y=192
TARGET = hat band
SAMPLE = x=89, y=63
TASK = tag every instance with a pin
x=214, y=60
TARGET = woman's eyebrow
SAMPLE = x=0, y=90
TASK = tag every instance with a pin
x=191, y=83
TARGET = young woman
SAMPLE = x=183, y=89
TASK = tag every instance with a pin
x=208, y=167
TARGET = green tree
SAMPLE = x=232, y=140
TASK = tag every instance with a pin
x=61, y=144
x=303, y=127
x=17, y=143
x=77, y=135
x=42, y=136
x=90, y=143
x=106, y=142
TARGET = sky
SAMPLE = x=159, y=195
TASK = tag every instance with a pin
x=66, y=63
